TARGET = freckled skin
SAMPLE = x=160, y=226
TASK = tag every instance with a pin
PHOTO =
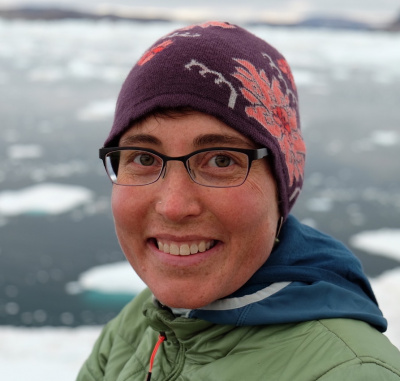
x=243, y=219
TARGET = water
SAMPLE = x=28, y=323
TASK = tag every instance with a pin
x=59, y=82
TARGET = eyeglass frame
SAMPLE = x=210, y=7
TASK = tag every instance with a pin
x=252, y=154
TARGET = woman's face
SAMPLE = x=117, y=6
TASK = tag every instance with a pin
x=238, y=224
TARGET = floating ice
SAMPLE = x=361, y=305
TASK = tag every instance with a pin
x=384, y=242
x=46, y=74
x=97, y=110
x=385, y=138
x=44, y=198
x=109, y=50
x=379, y=138
x=24, y=151
x=387, y=292
x=321, y=204
x=116, y=277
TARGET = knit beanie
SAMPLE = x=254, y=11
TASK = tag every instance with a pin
x=225, y=71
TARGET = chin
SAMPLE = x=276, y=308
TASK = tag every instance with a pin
x=180, y=301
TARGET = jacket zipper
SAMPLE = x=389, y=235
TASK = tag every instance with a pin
x=162, y=337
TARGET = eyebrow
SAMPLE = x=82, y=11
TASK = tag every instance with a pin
x=199, y=142
x=138, y=139
x=213, y=139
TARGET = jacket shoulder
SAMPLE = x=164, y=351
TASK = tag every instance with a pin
x=368, y=354
x=319, y=350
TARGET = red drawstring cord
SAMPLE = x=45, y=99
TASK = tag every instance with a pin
x=161, y=338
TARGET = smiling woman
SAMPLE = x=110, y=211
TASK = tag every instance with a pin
x=206, y=159
x=181, y=214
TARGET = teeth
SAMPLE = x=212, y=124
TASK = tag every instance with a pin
x=193, y=248
x=185, y=249
x=174, y=249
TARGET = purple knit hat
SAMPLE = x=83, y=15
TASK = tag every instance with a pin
x=225, y=71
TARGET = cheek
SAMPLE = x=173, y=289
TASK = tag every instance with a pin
x=259, y=200
x=127, y=201
x=118, y=204
x=126, y=210
x=250, y=214
x=259, y=214
x=128, y=222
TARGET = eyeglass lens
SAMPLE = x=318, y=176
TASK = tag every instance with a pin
x=222, y=168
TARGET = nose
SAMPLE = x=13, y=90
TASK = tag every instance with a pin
x=178, y=195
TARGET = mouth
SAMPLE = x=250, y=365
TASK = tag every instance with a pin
x=183, y=248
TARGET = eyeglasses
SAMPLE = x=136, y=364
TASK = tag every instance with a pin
x=211, y=167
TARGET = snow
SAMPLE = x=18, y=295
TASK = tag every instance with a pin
x=44, y=198
x=38, y=354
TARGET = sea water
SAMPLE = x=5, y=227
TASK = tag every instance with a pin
x=59, y=256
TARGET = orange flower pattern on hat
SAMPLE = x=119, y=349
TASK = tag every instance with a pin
x=270, y=106
x=147, y=56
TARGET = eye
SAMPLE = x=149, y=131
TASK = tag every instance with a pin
x=221, y=161
x=144, y=159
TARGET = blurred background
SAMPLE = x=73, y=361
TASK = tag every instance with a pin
x=62, y=274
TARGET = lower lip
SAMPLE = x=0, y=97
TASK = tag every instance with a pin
x=184, y=260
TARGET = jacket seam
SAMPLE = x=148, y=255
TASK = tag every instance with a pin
x=345, y=344
x=90, y=371
x=376, y=362
x=130, y=345
x=339, y=338
x=361, y=363
x=125, y=340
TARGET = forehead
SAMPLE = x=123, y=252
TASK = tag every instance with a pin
x=192, y=127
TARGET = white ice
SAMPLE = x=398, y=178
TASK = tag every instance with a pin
x=108, y=51
x=24, y=151
x=117, y=277
x=44, y=353
x=97, y=110
x=384, y=242
x=44, y=198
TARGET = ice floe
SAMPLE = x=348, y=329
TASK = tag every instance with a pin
x=117, y=277
x=97, y=110
x=24, y=151
x=383, y=242
x=45, y=198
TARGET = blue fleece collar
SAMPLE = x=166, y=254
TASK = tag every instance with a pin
x=308, y=276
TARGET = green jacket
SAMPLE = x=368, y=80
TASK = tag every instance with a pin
x=194, y=350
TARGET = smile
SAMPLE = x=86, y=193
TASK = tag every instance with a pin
x=185, y=248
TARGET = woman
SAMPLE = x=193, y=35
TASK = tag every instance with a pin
x=207, y=159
